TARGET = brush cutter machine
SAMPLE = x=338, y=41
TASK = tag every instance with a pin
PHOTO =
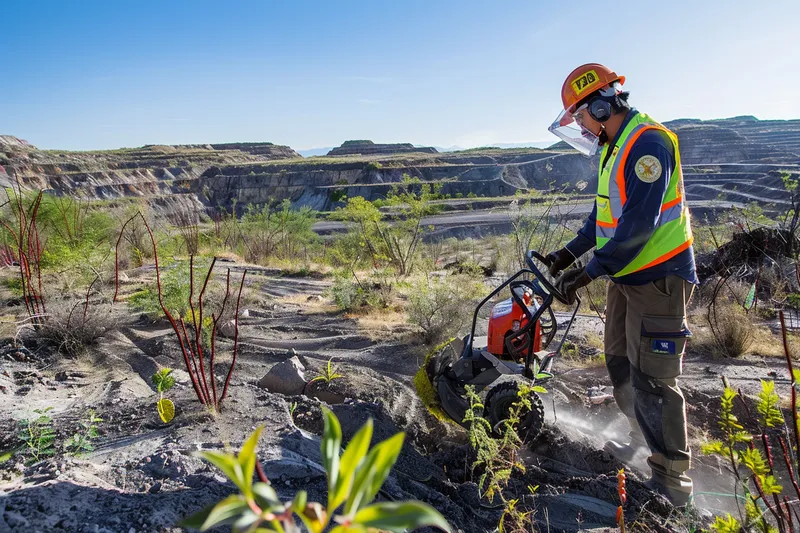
x=518, y=348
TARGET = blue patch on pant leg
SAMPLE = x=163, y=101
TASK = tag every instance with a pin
x=663, y=346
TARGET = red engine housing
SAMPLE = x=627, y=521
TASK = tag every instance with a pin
x=502, y=324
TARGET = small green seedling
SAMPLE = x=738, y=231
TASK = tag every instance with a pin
x=163, y=382
x=38, y=435
x=81, y=441
x=328, y=374
x=354, y=479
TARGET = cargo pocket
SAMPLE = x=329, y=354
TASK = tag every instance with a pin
x=663, y=345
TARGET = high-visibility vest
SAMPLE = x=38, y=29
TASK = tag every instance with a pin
x=673, y=231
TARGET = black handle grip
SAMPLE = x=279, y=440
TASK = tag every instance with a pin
x=529, y=257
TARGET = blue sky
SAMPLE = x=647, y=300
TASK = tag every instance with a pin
x=106, y=74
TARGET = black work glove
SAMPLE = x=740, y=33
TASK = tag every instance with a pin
x=569, y=283
x=558, y=261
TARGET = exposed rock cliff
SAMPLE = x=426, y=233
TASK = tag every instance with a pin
x=739, y=159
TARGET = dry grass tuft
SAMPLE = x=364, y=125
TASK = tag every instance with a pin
x=74, y=326
x=383, y=324
x=595, y=341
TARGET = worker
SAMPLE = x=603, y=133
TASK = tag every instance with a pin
x=641, y=233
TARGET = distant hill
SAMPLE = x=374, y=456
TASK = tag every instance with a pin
x=364, y=147
x=503, y=146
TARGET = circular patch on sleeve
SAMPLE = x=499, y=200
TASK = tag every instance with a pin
x=648, y=168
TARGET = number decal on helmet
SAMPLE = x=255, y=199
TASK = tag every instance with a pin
x=585, y=82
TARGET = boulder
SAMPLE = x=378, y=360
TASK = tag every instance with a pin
x=286, y=378
x=227, y=329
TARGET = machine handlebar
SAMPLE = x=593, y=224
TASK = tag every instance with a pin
x=529, y=257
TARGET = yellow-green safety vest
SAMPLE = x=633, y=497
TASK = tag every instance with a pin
x=673, y=231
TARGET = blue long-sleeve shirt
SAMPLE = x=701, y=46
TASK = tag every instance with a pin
x=638, y=220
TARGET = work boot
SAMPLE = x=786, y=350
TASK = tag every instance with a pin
x=626, y=453
x=669, y=478
x=636, y=449
x=679, y=496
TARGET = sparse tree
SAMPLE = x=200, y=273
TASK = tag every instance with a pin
x=394, y=243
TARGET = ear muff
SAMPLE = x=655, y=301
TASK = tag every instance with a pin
x=600, y=109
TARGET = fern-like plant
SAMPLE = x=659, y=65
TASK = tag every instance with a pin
x=498, y=458
x=354, y=479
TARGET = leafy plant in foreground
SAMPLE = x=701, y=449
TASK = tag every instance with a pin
x=761, y=468
x=770, y=426
x=164, y=382
x=38, y=435
x=354, y=479
x=81, y=441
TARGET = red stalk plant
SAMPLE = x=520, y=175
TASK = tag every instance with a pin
x=28, y=248
x=201, y=369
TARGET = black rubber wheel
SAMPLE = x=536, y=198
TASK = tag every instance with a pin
x=500, y=399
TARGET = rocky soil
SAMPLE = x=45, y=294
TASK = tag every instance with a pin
x=143, y=474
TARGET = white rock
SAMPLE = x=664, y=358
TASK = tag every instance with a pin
x=286, y=377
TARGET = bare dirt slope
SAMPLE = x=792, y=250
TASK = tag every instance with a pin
x=143, y=475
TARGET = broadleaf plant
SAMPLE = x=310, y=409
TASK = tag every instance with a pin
x=354, y=478
x=163, y=380
x=38, y=435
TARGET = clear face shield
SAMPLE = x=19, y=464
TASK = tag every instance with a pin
x=568, y=129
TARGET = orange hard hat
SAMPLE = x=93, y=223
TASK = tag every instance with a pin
x=585, y=80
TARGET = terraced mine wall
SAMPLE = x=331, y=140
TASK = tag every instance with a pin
x=739, y=159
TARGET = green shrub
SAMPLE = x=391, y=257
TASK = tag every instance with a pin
x=276, y=232
x=175, y=286
x=393, y=244
x=441, y=308
x=352, y=295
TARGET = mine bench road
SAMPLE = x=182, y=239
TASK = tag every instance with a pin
x=503, y=216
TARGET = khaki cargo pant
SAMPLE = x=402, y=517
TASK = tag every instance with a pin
x=645, y=339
